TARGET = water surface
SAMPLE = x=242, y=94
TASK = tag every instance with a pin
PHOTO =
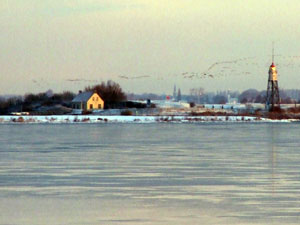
x=206, y=173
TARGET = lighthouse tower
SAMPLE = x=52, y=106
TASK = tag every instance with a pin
x=273, y=99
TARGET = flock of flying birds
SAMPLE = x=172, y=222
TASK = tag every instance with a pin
x=237, y=67
x=132, y=78
x=219, y=69
x=230, y=68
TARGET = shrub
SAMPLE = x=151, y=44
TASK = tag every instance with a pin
x=192, y=104
x=86, y=112
x=127, y=113
x=85, y=120
x=20, y=120
x=294, y=110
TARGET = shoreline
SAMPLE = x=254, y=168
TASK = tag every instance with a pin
x=9, y=119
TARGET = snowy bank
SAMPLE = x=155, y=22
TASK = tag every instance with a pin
x=129, y=119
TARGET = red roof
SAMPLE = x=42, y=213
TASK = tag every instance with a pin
x=273, y=65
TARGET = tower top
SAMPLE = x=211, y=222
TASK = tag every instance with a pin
x=272, y=52
x=273, y=64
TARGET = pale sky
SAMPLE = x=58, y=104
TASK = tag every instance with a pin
x=68, y=44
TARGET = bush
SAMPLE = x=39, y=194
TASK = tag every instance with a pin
x=85, y=120
x=192, y=104
x=127, y=113
x=276, y=109
x=86, y=112
x=294, y=110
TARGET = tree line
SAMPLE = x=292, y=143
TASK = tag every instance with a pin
x=58, y=103
x=112, y=94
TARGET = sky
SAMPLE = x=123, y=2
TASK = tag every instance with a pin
x=146, y=45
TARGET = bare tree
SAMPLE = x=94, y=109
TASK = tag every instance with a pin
x=109, y=91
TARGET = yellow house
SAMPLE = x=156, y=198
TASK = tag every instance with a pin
x=87, y=101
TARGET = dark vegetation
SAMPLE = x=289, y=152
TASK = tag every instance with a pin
x=291, y=113
x=110, y=92
x=279, y=114
x=49, y=103
x=41, y=103
x=127, y=113
x=10, y=104
x=114, y=97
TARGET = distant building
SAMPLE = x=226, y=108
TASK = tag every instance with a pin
x=231, y=100
x=174, y=93
x=87, y=101
x=179, y=95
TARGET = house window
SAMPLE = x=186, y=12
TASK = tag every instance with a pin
x=91, y=106
x=93, y=99
x=96, y=99
x=99, y=106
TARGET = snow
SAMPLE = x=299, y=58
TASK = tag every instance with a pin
x=129, y=119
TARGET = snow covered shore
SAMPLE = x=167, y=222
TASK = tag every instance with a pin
x=129, y=119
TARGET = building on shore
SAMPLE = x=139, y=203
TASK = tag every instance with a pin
x=87, y=101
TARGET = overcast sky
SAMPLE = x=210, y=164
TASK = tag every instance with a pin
x=68, y=44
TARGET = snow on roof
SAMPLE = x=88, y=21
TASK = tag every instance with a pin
x=83, y=97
